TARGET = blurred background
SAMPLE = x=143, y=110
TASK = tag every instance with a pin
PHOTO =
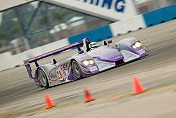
x=37, y=23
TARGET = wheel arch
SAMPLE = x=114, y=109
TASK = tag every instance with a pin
x=46, y=74
x=42, y=68
x=77, y=61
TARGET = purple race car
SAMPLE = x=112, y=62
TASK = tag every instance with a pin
x=90, y=59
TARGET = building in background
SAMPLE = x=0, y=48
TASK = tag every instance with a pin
x=41, y=23
x=150, y=5
x=37, y=23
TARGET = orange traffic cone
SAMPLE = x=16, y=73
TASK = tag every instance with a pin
x=88, y=96
x=137, y=86
x=49, y=102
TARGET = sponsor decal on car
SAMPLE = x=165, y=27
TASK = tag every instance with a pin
x=53, y=76
x=60, y=73
x=101, y=50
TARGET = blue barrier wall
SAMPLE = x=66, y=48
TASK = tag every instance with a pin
x=150, y=18
x=160, y=15
x=95, y=35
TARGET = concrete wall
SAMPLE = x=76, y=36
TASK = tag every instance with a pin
x=141, y=21
x=126, y=26
x=9, y=61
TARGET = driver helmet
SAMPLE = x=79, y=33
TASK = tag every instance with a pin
x=93, y=45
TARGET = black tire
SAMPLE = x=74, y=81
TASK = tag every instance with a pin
x=76, y=69
x=42, y=78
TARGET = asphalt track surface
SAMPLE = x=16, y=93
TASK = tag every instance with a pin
x=112, y=88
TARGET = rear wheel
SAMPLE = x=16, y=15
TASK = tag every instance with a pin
x=76, y=69
x=42, y=78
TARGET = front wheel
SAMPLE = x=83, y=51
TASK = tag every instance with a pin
x=76, y=69
x=42, y=78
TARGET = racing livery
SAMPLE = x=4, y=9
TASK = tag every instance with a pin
x=90, y=59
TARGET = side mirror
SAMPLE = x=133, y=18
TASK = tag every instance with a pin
x=81, y=51
x=110, y=41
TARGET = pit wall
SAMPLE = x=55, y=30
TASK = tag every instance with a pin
x=135, y=23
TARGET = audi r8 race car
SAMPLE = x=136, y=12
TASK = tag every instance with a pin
x=90, y=59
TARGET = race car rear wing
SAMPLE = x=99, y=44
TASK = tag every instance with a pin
x=35, y=59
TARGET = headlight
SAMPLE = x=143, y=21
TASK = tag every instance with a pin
x=88, y=62
x=134, y=46
x=91, y=62
x=137, y=45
